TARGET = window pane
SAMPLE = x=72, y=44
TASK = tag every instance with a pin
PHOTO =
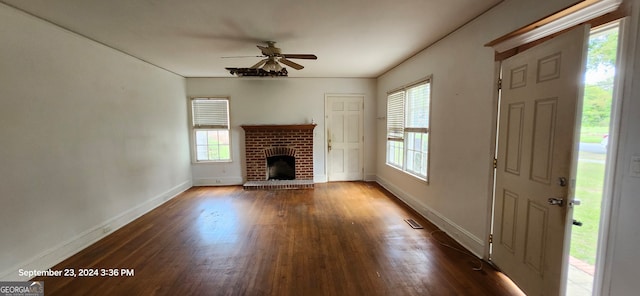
x=212, y=145
x=201, y=153
x=416, y=163
x=395, y=150
x=224, y=137
x=415, y=141
x=417, y=154
x=201, y=137
x=201, y=145
x=224, y=152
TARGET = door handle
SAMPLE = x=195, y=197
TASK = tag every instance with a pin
x=329, y=144
x=555, y=201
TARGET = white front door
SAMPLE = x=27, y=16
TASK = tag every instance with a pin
x=541, y=91
x=344, y=115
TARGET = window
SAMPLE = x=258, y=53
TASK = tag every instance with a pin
x=210, y=123
x=408, y=128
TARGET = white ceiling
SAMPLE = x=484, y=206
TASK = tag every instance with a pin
x=352, y=38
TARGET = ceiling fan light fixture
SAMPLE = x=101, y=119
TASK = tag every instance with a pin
x=272, y=65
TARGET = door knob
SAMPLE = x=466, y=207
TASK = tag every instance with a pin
x=556, y=201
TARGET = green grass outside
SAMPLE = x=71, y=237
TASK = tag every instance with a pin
x=593, y=134
x=219, y=152
x=590, y=178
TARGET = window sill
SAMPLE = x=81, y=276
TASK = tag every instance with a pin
x=211, y=161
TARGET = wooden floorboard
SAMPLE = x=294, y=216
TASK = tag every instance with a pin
x=343, y=238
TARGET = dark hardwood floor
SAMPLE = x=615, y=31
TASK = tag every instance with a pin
x=345, y=238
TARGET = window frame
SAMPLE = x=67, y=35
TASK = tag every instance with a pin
x=425, y=132
x=194, y=129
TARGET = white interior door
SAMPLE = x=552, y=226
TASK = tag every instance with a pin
x=541, y=91
x=345, y=137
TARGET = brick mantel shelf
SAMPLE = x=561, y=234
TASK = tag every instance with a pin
x=262, y=127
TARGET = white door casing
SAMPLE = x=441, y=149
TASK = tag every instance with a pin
x=541, y=91
x=344, y=117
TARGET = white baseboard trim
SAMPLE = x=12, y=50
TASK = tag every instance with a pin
x=222, y=181
x=320, y=178
x=56, y=254
x=228, y=181
x=471, y=242
x=371, y=178
x=325, y=178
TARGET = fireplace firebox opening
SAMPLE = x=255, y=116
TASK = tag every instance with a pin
x=281, y=167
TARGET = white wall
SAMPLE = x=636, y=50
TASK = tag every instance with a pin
x=90, y=138
x=458, y=197
x=280, y=101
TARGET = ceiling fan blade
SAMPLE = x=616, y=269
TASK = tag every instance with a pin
x=300, y=56
x=259, y=64
x=291, y=64
x=236, y=57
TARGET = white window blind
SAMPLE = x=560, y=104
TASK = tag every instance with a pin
x=210, y=113
x=395, y=116
x=418, y=108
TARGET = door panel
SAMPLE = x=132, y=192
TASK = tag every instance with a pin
x=538, y=109
x=337, y=162
x=345, y=140
x=543, y=133
x=514, y=138
x=509, y=218
x=535, y=236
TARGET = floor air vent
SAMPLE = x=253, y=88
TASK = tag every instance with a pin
x=413, y=224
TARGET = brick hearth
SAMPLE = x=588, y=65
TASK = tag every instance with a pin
x=262, y=141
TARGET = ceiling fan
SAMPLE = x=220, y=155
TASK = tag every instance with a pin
x=270, y=65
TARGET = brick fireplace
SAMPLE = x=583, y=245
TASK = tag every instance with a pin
x=292, y=141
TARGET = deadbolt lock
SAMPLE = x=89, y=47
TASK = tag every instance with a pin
x=562, y=181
